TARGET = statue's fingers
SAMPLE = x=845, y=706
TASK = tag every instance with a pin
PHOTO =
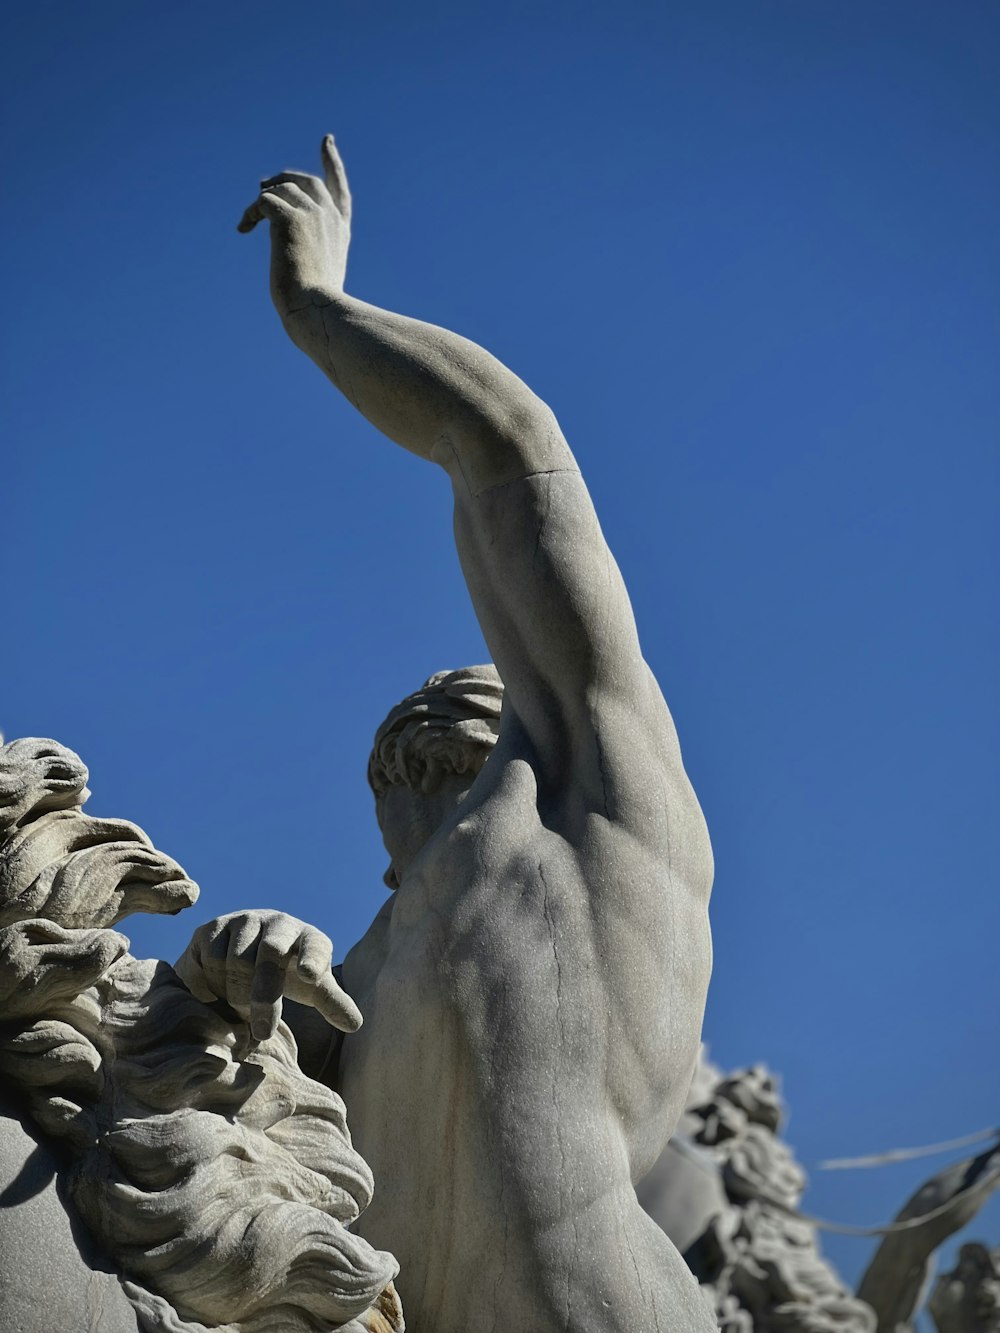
x=336, y=1005
x=310, y=185
x=268, y=207
x=190, y=970
x=335, y=176
x=315, y=955
x=289, y=192
x=251, y=216
x=237, y=966
x=204, y=961
x=313, y=982
x=268, y=986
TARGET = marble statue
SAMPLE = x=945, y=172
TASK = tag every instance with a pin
x=516, y=1036
x=163, y=1170
x=533, y=989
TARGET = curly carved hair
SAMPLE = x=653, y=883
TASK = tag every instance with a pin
x=449, y=725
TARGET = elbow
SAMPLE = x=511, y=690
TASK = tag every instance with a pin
x=520, y=440
x=530, y=427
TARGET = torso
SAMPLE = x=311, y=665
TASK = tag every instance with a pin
x=528, y=1003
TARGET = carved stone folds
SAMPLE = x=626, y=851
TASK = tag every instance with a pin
x=732, y=1172
x=217, y=1177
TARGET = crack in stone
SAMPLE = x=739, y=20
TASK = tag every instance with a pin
x=555, y=1073
x=544, y=518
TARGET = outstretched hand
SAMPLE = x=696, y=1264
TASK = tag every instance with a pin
x=310, y=221
x=252, y=959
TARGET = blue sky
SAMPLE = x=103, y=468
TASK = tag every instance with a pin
x=747, y=251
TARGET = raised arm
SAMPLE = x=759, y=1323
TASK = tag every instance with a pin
x=547, y=592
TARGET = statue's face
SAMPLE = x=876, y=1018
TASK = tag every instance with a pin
x=409, y=819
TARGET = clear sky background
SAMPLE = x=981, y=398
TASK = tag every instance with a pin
x=747, y=249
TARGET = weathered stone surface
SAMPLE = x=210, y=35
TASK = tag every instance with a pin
x=682, y=1195
x=736, y=1225
x=536, y=986
x=728, y=1191
x=46, y=1282
x=216, y=1176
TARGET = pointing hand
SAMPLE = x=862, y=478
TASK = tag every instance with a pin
x=252, y=959
x=310, y=221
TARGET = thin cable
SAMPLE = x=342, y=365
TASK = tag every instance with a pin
x=986, y=1183
x=906, y=1154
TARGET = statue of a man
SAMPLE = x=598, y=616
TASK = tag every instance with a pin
x=533, y=989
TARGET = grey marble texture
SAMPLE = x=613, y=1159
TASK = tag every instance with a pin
x=186, y=1176
x=52, y=1275
x=517, y=1033
x=533, y=991
x=727, y=1191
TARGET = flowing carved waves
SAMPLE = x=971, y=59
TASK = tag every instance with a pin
x=219, y=1179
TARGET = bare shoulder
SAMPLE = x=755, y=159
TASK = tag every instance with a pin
x=618, y=790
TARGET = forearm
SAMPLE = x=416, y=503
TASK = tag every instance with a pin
x=551, y=602
x=431, y=391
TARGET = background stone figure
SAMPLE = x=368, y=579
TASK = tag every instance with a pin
x=533, y=993
x=726, y=1191
x=967, y=1300
x=895, y=1282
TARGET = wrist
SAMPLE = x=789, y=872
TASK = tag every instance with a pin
x=304, y=319
x=299, y=307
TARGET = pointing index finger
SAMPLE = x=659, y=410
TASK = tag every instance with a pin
x=316, y=978
x=335, y=176
x=267, y=205
x=336, y=1005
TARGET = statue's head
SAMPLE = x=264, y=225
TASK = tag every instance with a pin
x=427, y=754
